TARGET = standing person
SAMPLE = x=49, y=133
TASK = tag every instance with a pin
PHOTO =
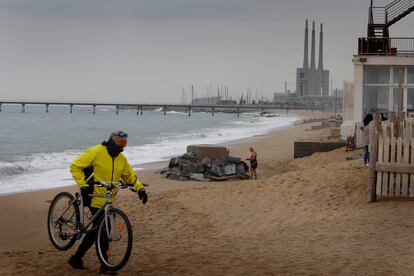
x=253, y=163
x=365, y=137
x=108, y=164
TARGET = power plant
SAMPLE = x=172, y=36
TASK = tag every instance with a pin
x=312, y=81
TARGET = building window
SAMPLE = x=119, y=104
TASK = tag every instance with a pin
x=410, y=75
x=375, y=99
x=410, y=100
x=377, y=75
x=397, y=75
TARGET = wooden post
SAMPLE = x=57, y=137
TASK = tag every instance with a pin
x=374, y=140
x=23, y=108
x=47, y=108
x=71, y=108
x=189, y=111
x=0, y=107
x=165, y=110
x=117, y=109
x=400, y=103
x=140, y=112
x=94, y=108
x=212, y=111
x=238, y=112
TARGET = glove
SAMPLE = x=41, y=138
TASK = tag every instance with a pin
x=143, y=196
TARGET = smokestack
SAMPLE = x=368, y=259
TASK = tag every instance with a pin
x=305, y=56
x=320, y=64
x=312, y=61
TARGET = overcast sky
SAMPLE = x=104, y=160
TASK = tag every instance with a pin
x=147, y=50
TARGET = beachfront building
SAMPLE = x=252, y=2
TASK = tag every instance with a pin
x=381, y=64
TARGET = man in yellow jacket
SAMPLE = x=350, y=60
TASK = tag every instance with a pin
x=108, y=164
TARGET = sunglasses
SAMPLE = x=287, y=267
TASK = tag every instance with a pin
x=120, y=134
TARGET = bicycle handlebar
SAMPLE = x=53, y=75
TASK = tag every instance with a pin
x=110, y=185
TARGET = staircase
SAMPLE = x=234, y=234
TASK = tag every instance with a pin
x=381, y=18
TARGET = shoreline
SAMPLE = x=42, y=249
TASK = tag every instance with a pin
x=30, y=207
x=156, y=165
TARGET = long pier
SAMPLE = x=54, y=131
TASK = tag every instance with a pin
x=165, y=107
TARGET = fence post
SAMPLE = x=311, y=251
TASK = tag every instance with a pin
x=374, y=134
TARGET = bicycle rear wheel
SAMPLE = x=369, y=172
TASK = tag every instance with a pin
x=62, y=220
x=114, y=247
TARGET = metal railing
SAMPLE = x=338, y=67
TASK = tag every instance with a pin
x=386, y=46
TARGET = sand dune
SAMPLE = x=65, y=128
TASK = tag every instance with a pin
x=308, y=218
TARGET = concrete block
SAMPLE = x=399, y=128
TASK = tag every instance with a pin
x=210, y=151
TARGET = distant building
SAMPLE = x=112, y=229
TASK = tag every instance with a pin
x=312, y=81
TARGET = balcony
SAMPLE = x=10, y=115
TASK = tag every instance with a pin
x=386, y=46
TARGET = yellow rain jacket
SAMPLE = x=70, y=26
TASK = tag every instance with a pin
x=105, y=168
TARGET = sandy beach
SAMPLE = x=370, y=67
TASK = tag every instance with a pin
x=301, y=217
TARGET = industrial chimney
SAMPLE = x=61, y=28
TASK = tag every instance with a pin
x=312, y=61
x=305, y=56
x=320, y=64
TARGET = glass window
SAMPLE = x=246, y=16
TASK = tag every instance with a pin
x=395, y=99
x=375, y=99
x=377, y=75
x=410, y=75
x=396, y=77
x=410, y=100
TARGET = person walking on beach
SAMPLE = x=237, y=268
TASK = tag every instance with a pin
x=365, y=137
x=108, y=164
x=253, y=163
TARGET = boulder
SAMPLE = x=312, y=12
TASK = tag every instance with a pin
x=176, y=176
x=230, y=169
x=174, y=162
x=198, y=177
x=192, y=168
x=206, y=162
x=216, y=170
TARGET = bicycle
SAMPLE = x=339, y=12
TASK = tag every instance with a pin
x=69, y=224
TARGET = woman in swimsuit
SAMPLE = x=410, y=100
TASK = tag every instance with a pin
x=253, y=163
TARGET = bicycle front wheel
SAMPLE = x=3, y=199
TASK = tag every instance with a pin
x=62, y=220
x=114, y=240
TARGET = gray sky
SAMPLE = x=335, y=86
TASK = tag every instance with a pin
x=147, y=50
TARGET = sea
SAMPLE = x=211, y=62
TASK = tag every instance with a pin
x=37, y=148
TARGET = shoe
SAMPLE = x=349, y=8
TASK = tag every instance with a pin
x=75, y=263
x=105, y=271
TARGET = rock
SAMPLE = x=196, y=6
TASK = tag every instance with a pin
x=230, y=169
x=216, y=170
x=206, y=162
x=174, y=162
x=192, y=168
x=199, y=177
x=190, y=156
x=175, y=176
x=163, y=170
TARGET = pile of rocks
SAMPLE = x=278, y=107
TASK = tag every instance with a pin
x=219, y=167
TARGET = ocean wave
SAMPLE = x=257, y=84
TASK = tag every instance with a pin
x=48, y=170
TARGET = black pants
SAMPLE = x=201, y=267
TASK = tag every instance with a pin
x=90, y=237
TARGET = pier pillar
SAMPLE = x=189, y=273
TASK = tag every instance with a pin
x=71, y=108
x=0, y=107
x=238, y=112
x=23, y=108
x=189, y=111
x=47, y=108
x=261, y=112
x=117, y=109
x=165, y=110
x=94, y=108
x=140, y=110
